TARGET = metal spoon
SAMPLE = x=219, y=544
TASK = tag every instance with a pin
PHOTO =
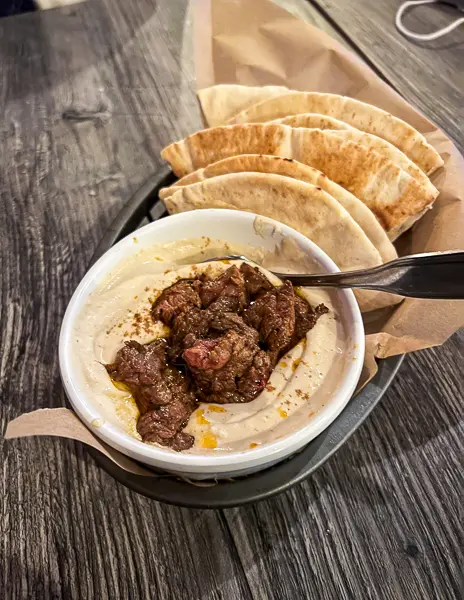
x=436, y=275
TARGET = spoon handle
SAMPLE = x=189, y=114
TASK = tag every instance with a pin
x=436, y=275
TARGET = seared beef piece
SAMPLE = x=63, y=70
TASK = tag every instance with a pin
x=305, y=319
x=222, y=322
x=139, y=368
x=217, y=364
x=182, y=441
x=255, y=281
x=186, y=330
x=208, y=355
x=254, y=380
x=176, y=300
x=273, y=315
x=162, y=393
x=204, y=324
x=226, y=293
x=163, y=426
x=321, y=309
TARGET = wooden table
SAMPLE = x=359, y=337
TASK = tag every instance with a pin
x=89, y=95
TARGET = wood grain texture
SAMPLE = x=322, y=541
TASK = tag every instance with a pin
x=89, y=95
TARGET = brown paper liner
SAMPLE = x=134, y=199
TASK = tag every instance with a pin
x=257, y=43
x=62, y=422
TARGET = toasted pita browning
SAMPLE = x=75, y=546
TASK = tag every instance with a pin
x=392, y=153
x=207, y=146
x=360, y=115
x=393, y=195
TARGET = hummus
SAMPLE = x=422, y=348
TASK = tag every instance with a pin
x=119, y=310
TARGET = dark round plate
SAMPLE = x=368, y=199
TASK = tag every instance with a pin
x=143, y=207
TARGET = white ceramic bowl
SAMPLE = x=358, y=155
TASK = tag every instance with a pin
x=235, y=227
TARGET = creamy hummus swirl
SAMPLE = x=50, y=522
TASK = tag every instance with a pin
x=119, y=310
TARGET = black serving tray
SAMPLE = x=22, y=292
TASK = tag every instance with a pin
x=143, y=207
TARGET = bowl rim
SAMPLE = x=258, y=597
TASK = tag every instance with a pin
x=203, y=463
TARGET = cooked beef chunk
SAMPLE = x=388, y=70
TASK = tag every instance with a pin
x=176, y=300
x=198, y=324
x=254, y=380
x=226, y=321
x=255, y=281
x=208, y=355
x=186, y=330
x=273, y=315
x=162, y=393
x=163, y=426
x=226, y=293
x=305, y=319
x=139, y=368
x=217, y=364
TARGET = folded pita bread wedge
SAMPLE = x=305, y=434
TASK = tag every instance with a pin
x=395, y=197
x=365, y=117
x=291, y=168
x=313, y=121
x=300, y=205
x=221, y=102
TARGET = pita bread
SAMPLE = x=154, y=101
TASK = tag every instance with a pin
x=358, y=114
x=221, y=102
x=291, y=168
x=395, y=197
x=313, y=121
x=300, y=205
